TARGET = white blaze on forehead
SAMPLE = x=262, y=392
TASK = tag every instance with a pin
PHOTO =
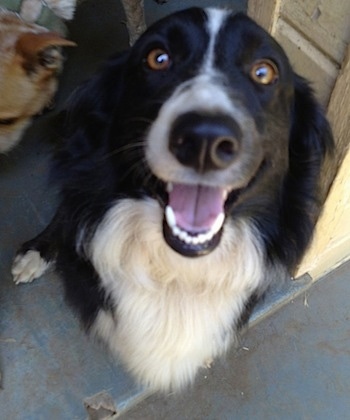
x=216, y=19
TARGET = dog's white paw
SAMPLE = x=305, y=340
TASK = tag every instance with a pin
x=208, y=363
x=29, y=266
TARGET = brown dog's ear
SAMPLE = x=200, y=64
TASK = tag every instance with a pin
x=41, y=49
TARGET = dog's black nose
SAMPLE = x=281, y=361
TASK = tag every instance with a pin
x=205, y=142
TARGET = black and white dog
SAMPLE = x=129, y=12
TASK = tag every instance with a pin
x=189, y=182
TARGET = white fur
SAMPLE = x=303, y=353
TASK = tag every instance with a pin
x=31, y=9
x=63, y=8
x=216, y=19
x=29, y=266
x=172, y=314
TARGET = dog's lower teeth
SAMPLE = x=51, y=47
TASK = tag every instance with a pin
x=169, y=187
x=204, y=237
x=195, y=240
x=183, y=236
x=170, y=216
x=176, y=231
x=218, y=223
x=189, y=239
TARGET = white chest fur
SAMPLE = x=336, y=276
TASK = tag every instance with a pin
x=172, y=314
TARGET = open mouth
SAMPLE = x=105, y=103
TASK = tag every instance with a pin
x=194, y=218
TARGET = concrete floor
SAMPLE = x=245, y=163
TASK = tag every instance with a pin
x=293, y=363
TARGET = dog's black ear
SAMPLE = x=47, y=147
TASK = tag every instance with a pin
x=97, y=97
x=311, y=139
x=87, y=118
x=311, y=135
x=311, y=142
x=91, y=106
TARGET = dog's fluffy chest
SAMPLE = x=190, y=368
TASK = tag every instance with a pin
x=169, y=309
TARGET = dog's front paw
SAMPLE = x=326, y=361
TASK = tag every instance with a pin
x=28, y=266
x=208, y=363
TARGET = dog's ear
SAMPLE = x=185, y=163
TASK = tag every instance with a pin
x=87, y=120
x=311, y=139
x=41, y=50
x=311, y=135
x=92, y=108
x=96, y=98
x=310, y=144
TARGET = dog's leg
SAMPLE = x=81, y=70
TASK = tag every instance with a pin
x=35, y=256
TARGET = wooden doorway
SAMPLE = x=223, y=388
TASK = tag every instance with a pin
x=316, y=35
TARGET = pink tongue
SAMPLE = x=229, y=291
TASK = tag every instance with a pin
x=196, y=207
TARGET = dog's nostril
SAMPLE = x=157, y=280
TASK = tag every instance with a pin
x=205, y=142
x=223, y=151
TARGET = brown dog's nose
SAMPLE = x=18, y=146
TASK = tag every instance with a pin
x=205, y=142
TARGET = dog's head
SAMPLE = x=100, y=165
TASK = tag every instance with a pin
x=209, y=118
x=30, y=59
x=224, y=122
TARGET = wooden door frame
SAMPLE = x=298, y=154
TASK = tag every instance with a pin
x=331, y=244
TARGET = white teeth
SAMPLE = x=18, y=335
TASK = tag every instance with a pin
x=203, y=237
x=183, y=236
x=193, y=239
x=169, y=187
x=218, y=223
x=170, y=217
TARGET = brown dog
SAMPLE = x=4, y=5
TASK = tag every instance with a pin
x=30, y=59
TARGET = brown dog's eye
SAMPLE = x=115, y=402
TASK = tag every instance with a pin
x=264, y=72
x=7, y=121
x=158, y=59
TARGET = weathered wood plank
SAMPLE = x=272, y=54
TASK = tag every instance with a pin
x=264, y=12
x=307, y=60
x=315, y=35
x=339, y=108
x=324, y=23
x=135, y=18
x=331, y=244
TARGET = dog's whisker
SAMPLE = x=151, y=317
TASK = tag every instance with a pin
x=133, y=147
x=132, y=121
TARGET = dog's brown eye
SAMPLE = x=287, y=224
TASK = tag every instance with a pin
x=264, y=72
x=7, y=121
x=158, y=59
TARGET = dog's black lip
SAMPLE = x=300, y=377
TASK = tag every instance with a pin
x=190, y=250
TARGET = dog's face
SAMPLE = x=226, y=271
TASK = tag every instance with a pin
x=30, y=59
x=219, y=103
x=206, y=115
